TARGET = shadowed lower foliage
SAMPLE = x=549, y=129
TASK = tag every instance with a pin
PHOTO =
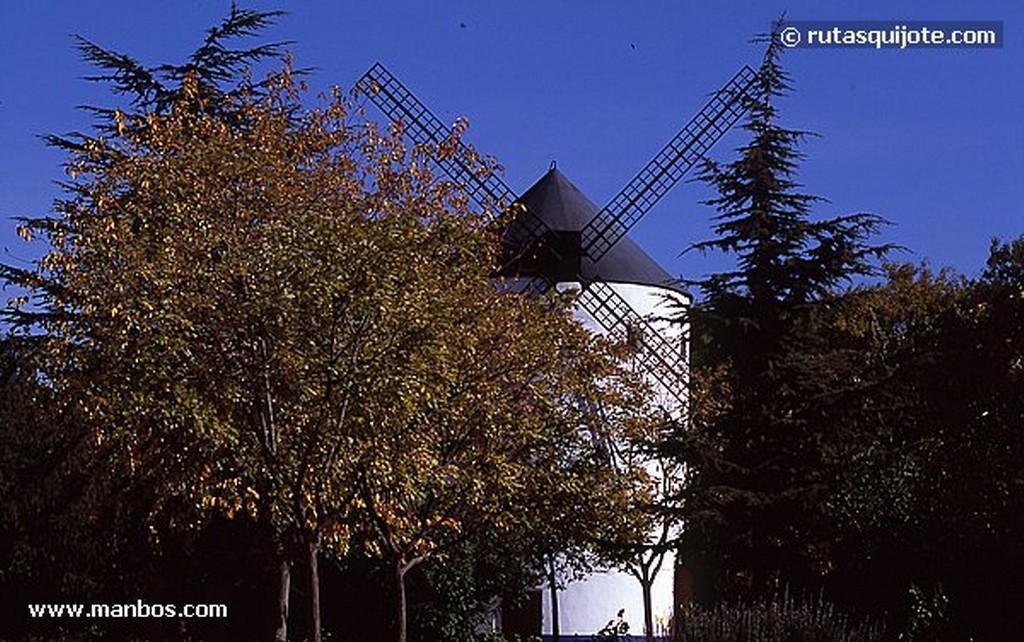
x=780, y=618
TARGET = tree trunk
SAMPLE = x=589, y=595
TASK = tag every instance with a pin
x=284, y=585
x=314, y=591
x=399, y=600
x=553, y=587
x=645, y=585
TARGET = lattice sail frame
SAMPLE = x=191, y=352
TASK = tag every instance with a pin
x=660, y=360
x=669, y=165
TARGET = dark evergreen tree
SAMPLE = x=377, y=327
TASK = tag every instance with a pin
x=863, y=441
x=218, y=68
x=67, y=531
x=216, y=71
x=757, y=445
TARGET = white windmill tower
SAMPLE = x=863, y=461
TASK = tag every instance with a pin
x=560, y=240
x=652, y=295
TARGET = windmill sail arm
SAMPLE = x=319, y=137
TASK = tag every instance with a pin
x=395, y=100
x=528, y=234
x=485, y=188
x=664, y=363
x=670, y=164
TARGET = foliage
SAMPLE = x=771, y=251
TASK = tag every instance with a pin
x=456, y=596
x=851, y=439
x=89, y=531
x=488, y=433
x=885, y=340
x=779, y=618
x=909, y=508
x=647, y=528
x=924, y=504
x=260, y=311
x=52, y=541
x=757, y=446
x=216, y=67
x=782, y=255
x=928, y=615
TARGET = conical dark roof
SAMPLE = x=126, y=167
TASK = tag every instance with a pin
x=566, y=210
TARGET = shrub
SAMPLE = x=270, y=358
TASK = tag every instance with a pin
x=776, y=619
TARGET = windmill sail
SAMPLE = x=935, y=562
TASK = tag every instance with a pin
x=486, y=189
x=534, y=241
x=670, y=164
x=662, y=361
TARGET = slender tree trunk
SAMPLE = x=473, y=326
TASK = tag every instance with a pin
x=401, y=569
x=284, y=585
x=553, y=587
x=645, y=585
x=400, y=600
x=313, y=552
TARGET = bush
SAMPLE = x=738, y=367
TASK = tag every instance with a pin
x=776, y=619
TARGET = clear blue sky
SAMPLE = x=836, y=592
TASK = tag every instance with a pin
x=931, y=139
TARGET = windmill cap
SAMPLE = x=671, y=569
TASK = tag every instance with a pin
x=566, y=211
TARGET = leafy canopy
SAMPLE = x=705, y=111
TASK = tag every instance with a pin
x=259, y=308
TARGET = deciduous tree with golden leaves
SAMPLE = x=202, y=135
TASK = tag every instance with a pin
x=262, y=308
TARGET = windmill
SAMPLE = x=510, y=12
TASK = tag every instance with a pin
x=546, y=256
x=555, y=238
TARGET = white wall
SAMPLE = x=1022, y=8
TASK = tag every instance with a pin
x=586, y=606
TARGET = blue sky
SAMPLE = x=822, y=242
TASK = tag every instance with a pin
x=931, y=139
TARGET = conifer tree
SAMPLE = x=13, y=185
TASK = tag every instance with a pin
x=754, y=447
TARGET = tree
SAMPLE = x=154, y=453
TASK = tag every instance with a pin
x=642, y=553
x=489, y=425
x=880, y=342
x=162, y=277
x=647, y=528
x=965, y=431
x=923, y=397
x=850, y=438
x=755, y=446
x=569, y=537
x=34, y=550
x=980, y=406
x=262, y=309
x=196, y=325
